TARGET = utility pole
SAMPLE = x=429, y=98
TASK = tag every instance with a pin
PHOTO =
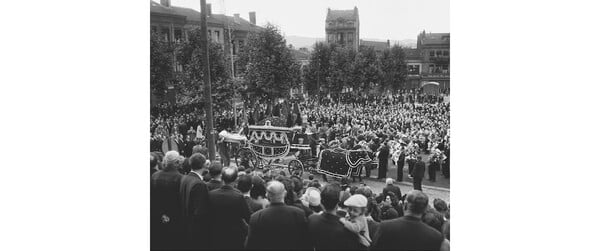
x=207, y=88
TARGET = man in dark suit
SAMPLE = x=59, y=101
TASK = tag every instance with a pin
x=325, y=230
x=228, y=214
x=389, y=187
x=278, y=226
x=418, y=173
x=384, y=154
x=214, y=171
x=166, y=228
x=409, y=232
x=194, y=202
x=244, y=184
x=400, y=165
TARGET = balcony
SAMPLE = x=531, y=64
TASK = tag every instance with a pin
x=439, y=74
x=440, y=59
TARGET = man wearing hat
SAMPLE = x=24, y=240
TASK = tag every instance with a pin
x=278, y=226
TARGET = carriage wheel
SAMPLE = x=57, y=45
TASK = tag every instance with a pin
x=295, y=167
x=245, y=157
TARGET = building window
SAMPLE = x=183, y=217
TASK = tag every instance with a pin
x=432, y=53
x=341, y=37
x=154, y=29
x=446, y=53
x=350, y=37
x=438, y=53
x=217, y=36
x=413, y=69
x=445, y=69
x=331, y=38
x=431, y=68
x=165, y=34
x=178, y=35
x=241, y=46
x=234, y=47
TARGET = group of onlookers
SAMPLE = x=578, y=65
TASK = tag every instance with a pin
x=199, y=204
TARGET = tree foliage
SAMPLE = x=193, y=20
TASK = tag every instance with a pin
x=318, y=68
x=394, y=68
x=341, y=75
x=161, y=65
x=191, y=80
x=269, y=69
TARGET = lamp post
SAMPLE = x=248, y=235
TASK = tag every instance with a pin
x=207, y=87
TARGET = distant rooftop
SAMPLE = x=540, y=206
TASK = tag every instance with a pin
x=375, y=44
x=192, y=15
x=434, y=38
x=342, y=14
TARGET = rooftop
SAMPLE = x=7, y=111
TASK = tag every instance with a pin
x=342, y=14
x=434, y=38
x=192, y=15
x=375, y=44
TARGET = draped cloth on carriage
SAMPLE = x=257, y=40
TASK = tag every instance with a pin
x=340, y=163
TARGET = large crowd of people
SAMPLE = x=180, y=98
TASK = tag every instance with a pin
x=199, y=204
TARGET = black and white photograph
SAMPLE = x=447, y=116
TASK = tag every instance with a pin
x=271, y=131
x=299, y=125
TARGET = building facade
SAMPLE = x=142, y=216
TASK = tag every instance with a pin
x=343, y=27
x=174, y=23
x=434, y=49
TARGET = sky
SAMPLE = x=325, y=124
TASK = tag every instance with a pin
x=379, y=19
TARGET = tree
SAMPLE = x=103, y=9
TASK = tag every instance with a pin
x=268, y=65
x=366, y=68
x=318, y=67
x=191, y=81
x=394, y=68
x=341, y=75
x=161, y=65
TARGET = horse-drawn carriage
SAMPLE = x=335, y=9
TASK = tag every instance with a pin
x=267, y=146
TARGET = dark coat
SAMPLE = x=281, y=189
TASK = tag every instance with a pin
x=373, y=227
x=419, y=170
x=393, y=189
x=228, y=214
x=214, y=184
x=406, y=233
x=327, y=232
x=278, y=226
x=166, y=227
x=194, y=204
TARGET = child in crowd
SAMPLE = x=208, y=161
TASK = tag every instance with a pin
x=356, y=222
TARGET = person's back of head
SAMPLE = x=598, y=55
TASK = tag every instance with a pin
x=330, y=196
x=257, y=190
x=197, y=161
x=416, y=202
x=389, y=181
x=215, y=169
x=244, y=183
x=153, y=161
x=172, y=161
x=200, y=149
x=434, y=220
x=229, y=175
x=440, y=205
x=276, y=191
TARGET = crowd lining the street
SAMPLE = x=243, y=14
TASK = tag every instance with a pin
x=196, y=204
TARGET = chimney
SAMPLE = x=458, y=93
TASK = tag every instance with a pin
x=388, y=43
x=236, y=15
x=166, y=3
x=252, y=16
x=208, y=9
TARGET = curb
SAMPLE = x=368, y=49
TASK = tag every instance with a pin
x=406, y=183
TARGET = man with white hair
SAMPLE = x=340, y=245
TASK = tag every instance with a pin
x=389, y=187
x=166, y=228
x=278, y=226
